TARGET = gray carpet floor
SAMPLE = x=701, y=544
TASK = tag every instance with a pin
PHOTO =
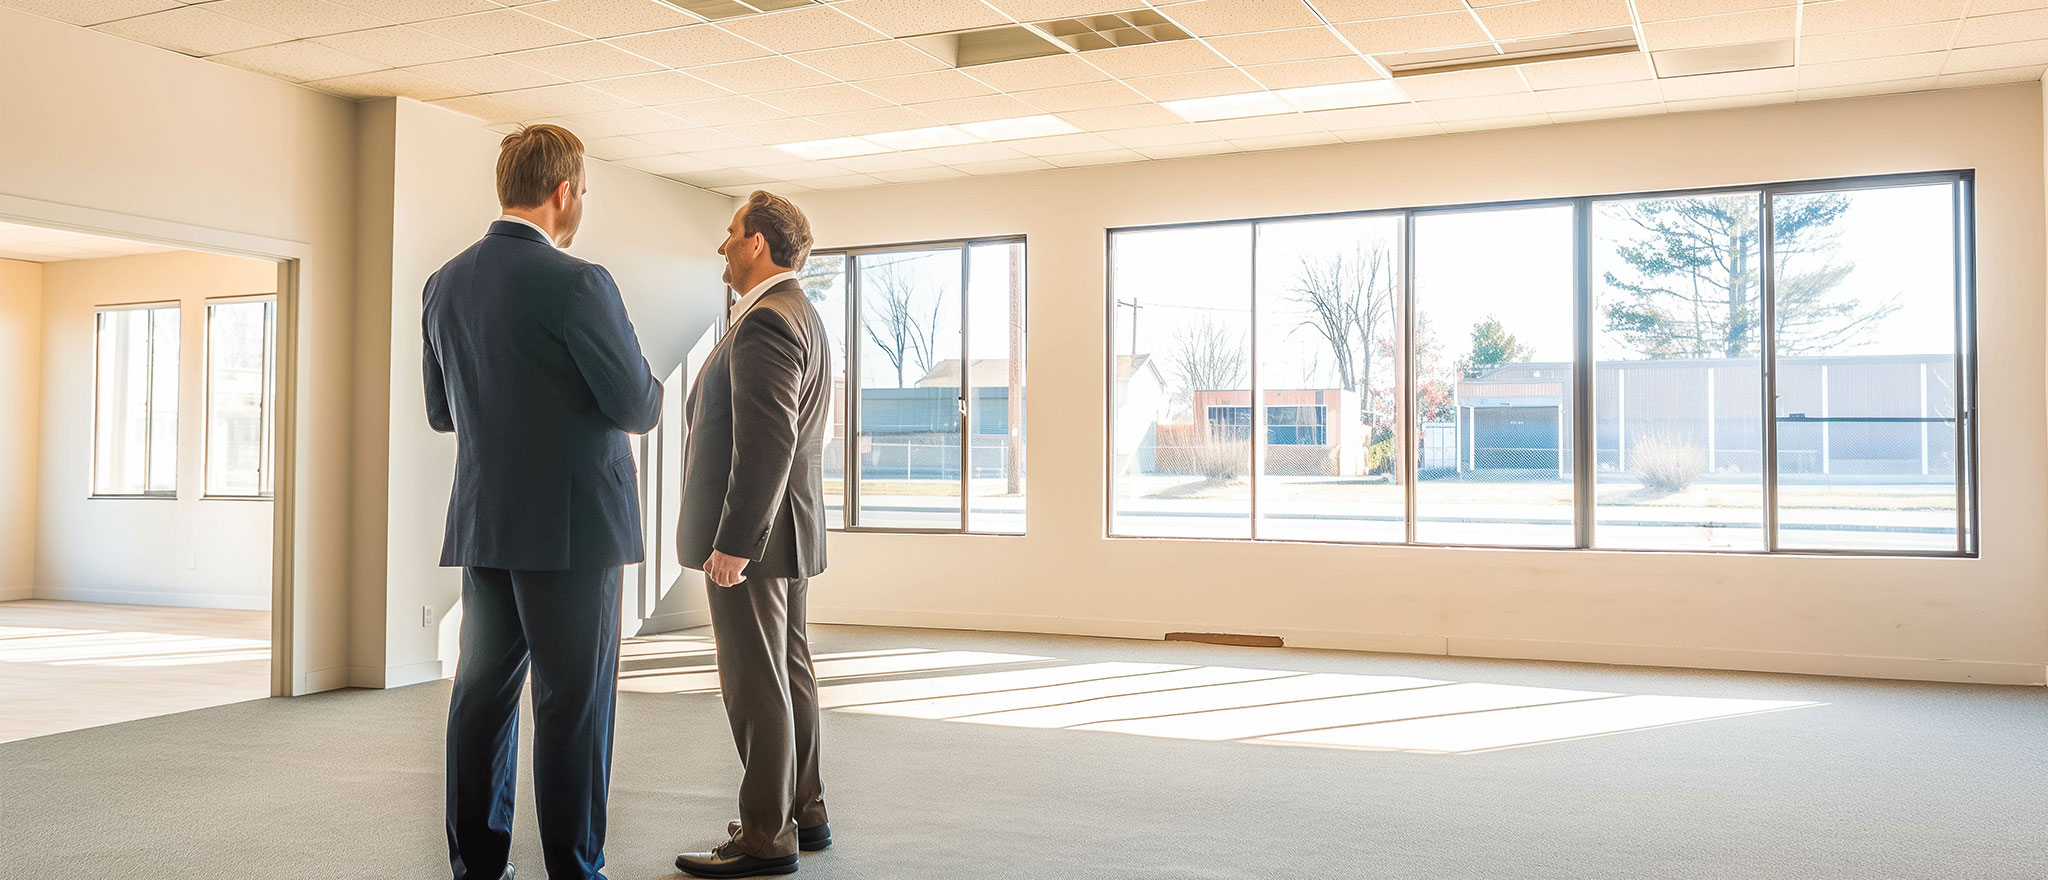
x=1878, y=780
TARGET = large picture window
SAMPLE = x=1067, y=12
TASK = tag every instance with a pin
x=135, y=401
x=1583, y=372
x=241, y=338
x=928, y=421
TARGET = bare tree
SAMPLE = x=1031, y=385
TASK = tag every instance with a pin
x=1348, y=301
x=893, y=311
x=1204, y=356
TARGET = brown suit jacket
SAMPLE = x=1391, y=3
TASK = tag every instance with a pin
x=753, y=479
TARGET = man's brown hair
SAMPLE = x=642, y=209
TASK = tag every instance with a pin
x=533, y=161
x=785, y=228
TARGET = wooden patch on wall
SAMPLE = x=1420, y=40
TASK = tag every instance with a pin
x=1239, y=639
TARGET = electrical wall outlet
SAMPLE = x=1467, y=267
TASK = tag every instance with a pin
x=426, y=615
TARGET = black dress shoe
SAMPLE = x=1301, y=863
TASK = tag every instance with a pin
x=807, y=839
x=728, y=860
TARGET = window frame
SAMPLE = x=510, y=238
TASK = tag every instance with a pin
x=850, y=466
x=1584, y=445
x=266, y=468
x=149, y=402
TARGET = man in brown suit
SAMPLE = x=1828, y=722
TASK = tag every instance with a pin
x=753, y=519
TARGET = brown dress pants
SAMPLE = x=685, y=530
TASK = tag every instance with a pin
x=771, y=699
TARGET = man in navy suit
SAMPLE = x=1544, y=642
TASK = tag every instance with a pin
x=531, y=362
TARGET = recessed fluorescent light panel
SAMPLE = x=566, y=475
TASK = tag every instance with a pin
x=718, y=9
x=1723, y=59
x=1343, y=95
x=922, y=138
x=833, y=148
x=1229, y=106
x=1585, y=44
x=1020, y=127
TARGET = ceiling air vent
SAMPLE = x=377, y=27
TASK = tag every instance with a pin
x=719, y=9
x=1056, y=37
x=1586, y=44
x=1724, y=59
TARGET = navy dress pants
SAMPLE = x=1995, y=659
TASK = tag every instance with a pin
x=563, y=626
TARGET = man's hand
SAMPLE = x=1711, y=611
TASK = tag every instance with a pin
x=725, y=570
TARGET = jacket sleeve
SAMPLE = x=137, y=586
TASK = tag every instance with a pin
x=438, y=415
x=767, y=377
x=601, y=341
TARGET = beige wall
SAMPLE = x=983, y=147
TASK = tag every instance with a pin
x=21, y=346
x=142, y=551
x=105, y=133
x=1983, y=620
x=656, y=236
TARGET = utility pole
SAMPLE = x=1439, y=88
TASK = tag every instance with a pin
x=1134, y=306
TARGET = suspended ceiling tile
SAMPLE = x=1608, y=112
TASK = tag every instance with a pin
x=1866, y=89
x=406, y=11
x=1542, y=18
x=1990, y=30
x=1216, y=18
x=724, y=111
x=1438, y=31
x=880, y=162
x=692, y=46
x=1200, y=84
x=1724, y=85
x=1093, y=96
x=623, y=123
x=924, y=88
x=484, y=107
x=1260, y=126
x=1043, y=10
x=491, y=73
x=666, y=87
x=563, y=100
x=760, y=75
x=1913, y=39
x=967, y=153
x=589, y=60
x=389, y=83
x=919, y=175
x=820, y=100
x=1098, y=157
x=1362, y=10
x=982, y=109
x=1721, y=30
x=1492, y=106
x=1187, y=150
x=1996, y=57
x=1624, y=94
x=1162, y=135
x=696, y=140
x=2001, y=76
x=1118, y=118
x=612, y=18
x=902, y=18
x=193, y=31
x=398, y=46
x=803, y=29
x=87, y=13
x=1385, y=116
x=1156, y=59
x=1869, y=70
x=872, y=61
x=1050, y=71
x=1840, y=16
x=1274, y=47
x=876, y=121
x=503, y=30
x=1666, y=10
x=1327, y=71
x=613, y=149
x=669, y=164
x=299, y=18
x=1017, y=165
x=781, y=131
x=299, y=61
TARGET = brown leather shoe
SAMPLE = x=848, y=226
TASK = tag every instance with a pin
x=728, y=860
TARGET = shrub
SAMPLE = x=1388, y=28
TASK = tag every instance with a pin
x=1220, y=459
x=1666, y=462
x=1379, y=457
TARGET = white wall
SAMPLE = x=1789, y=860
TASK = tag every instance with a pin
x=1980, y=619
x=21, y=346
x=657, y=237
x=208, y=553
x=103, y=133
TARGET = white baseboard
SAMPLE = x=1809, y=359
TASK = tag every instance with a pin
x=233, y=601
x=16, y=594
x=400, y=676
x=329, y=679
x=1854, y=666
x=672, y=621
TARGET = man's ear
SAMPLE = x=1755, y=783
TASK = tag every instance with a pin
x=563, y=193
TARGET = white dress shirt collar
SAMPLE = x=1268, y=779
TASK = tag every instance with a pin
x=530, y=224
x=739, y=309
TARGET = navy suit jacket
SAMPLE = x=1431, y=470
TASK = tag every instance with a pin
x=531, y=361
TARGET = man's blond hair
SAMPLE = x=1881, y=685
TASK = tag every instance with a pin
x=533, y=161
